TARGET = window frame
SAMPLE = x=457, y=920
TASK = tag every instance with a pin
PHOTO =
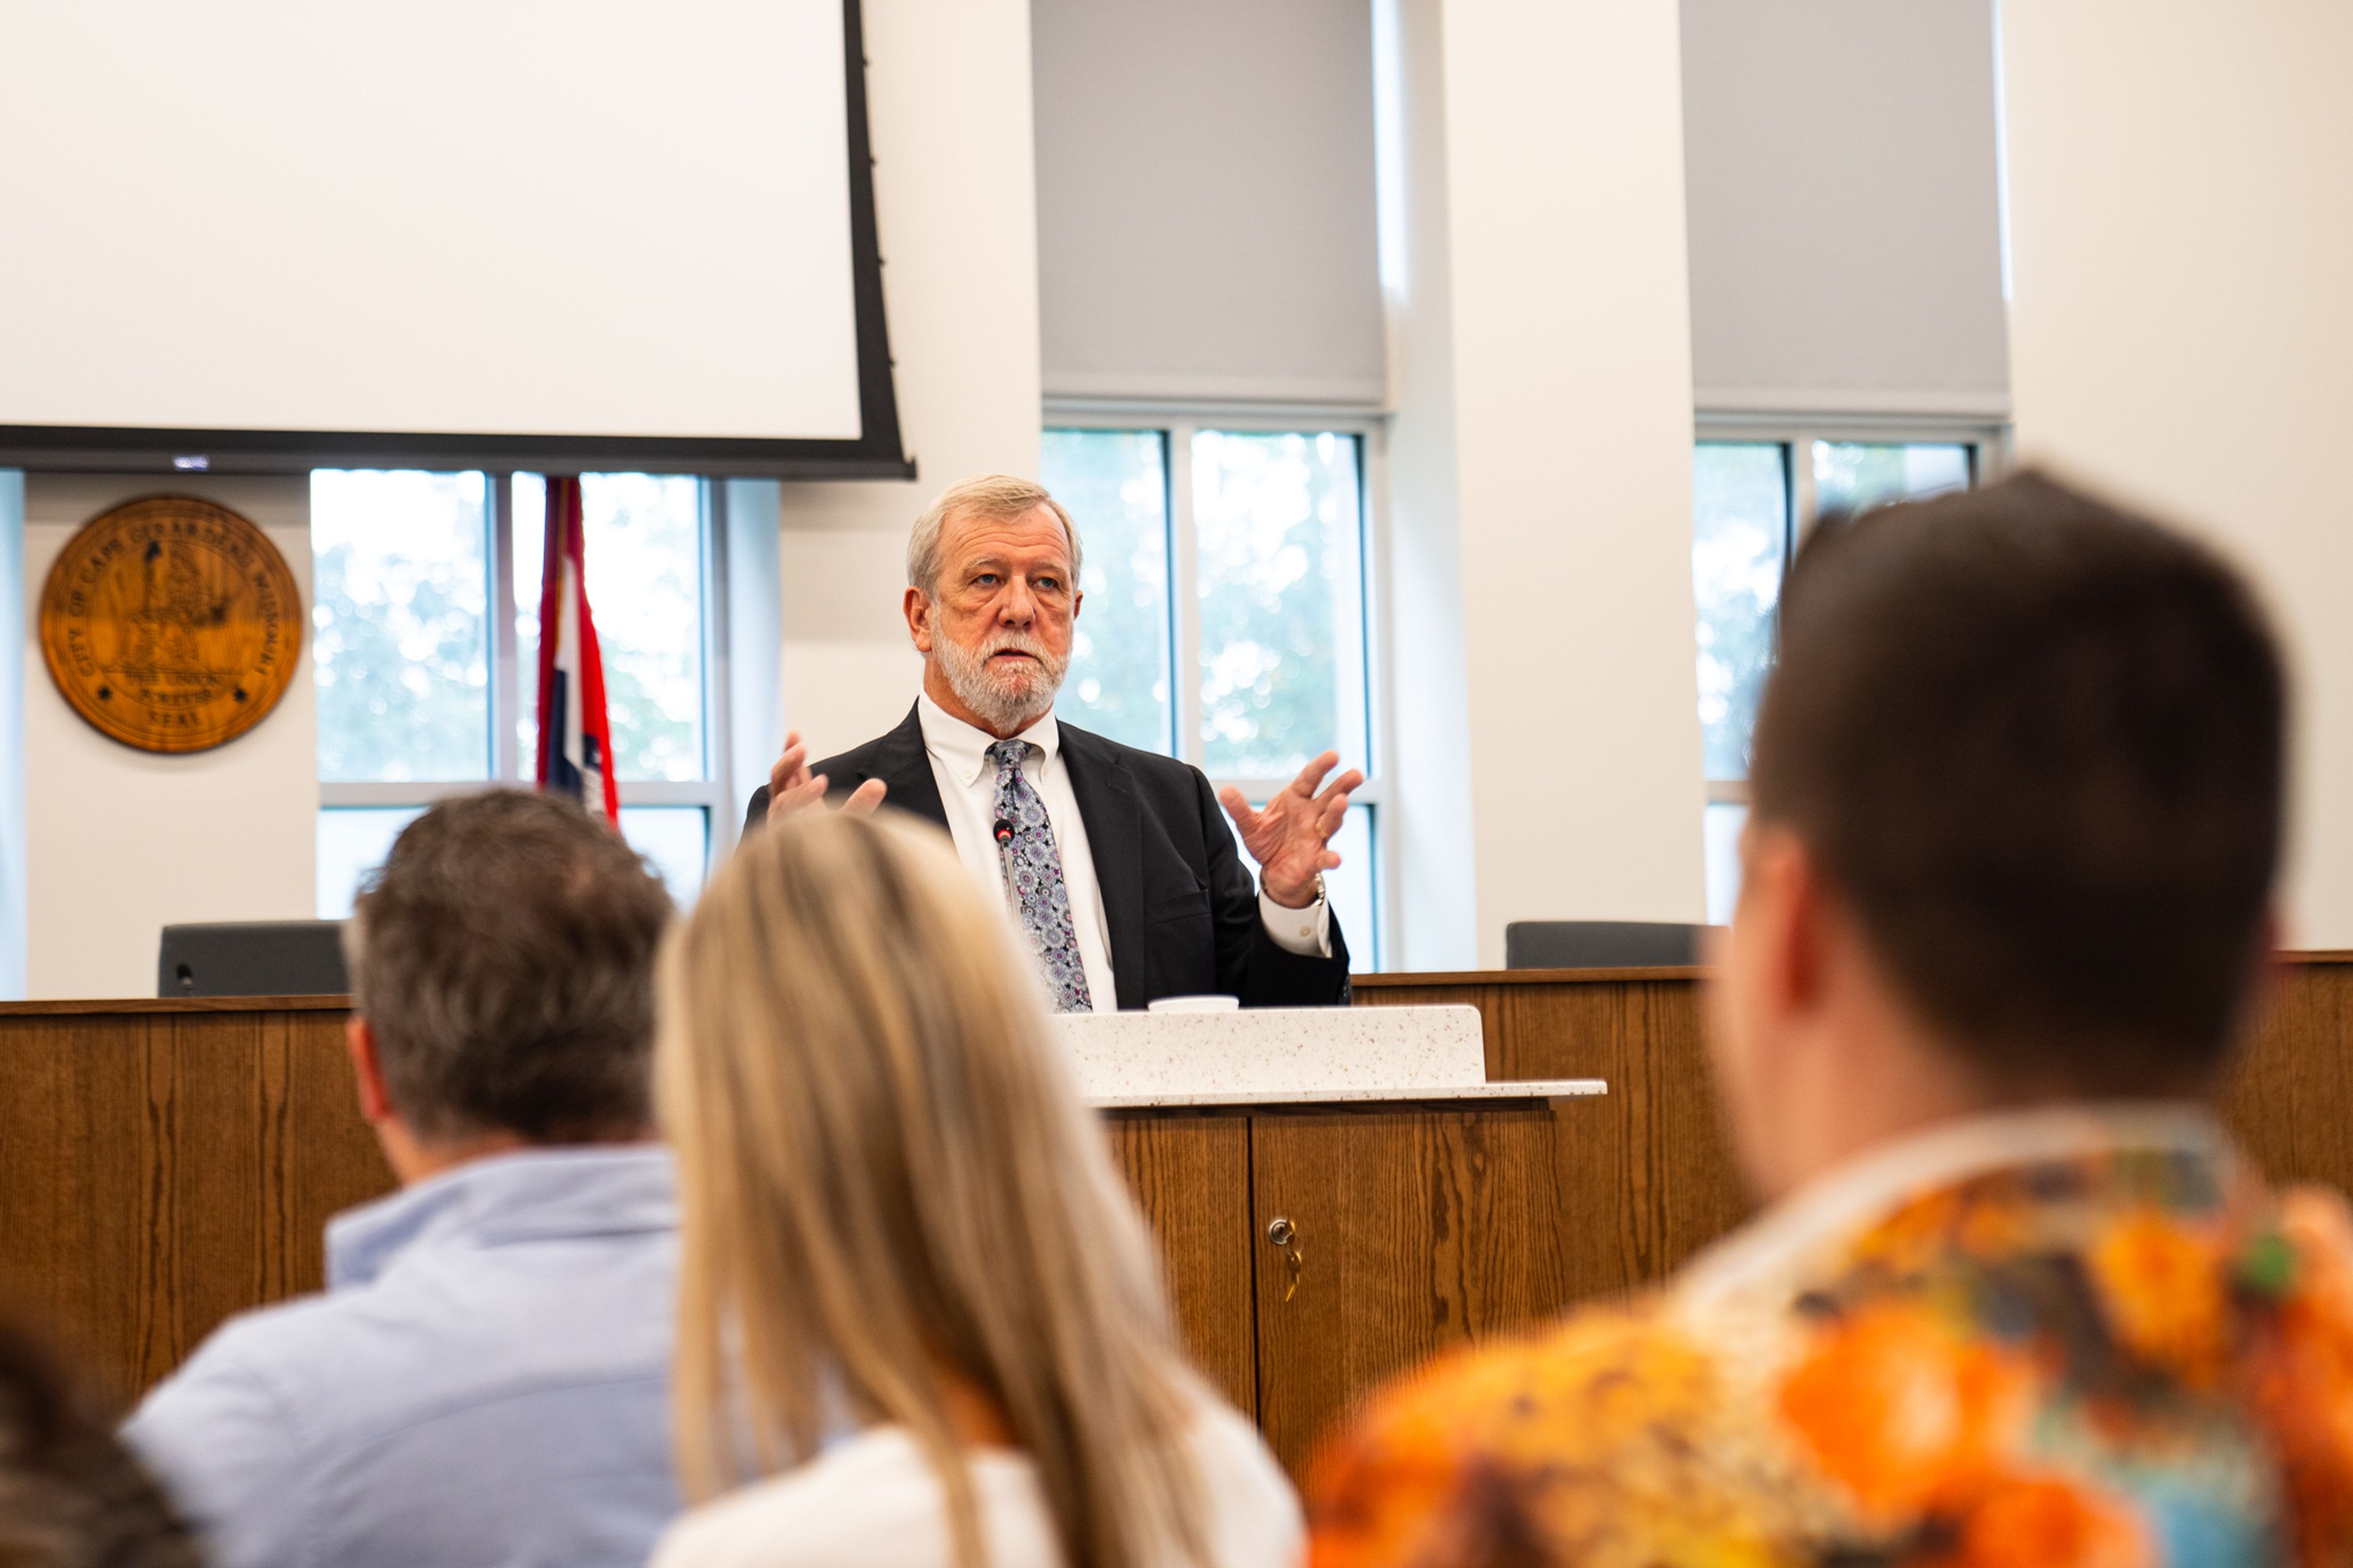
x=1990, y=456
x=510, y=686
x=1178, y=423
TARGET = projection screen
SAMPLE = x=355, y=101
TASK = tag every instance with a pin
x=255, y=234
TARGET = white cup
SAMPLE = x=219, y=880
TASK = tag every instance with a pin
x=1195, y=1004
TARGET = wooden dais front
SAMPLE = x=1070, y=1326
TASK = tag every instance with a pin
x=1422, y=1227
x=163, y=1165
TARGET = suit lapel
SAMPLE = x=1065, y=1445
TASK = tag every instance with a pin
x=1106, y=798
x=901, y=764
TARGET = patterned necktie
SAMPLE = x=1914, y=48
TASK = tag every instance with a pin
x=1033, y=875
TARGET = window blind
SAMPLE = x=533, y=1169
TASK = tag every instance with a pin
x=1206, y=225
x=1841, y=177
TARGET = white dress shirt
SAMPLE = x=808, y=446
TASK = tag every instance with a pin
x=967, y=782
x=496, y=1338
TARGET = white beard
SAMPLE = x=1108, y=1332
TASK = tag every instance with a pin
x=1007, y=697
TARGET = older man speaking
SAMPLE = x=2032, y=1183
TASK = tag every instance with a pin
x=1115, y=862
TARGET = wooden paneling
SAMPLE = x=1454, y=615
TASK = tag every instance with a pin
x=1190, y=1174
x=2290, y=1100
x=163, y=1165
x=75, y=1190
x=2292, y=1097
x=1415, y=1230
x=1648, y=1173
x=162, y=1169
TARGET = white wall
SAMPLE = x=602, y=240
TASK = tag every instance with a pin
x=954, y=187
x=122, y=843
x=1572, y=325
x=2182, y=219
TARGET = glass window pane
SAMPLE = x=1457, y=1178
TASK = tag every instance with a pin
x=676, y=838
x=1354, y=887
x=1114, y=484
x=1852, y=475
x=1277, y=530
x=1720, y=846
x=400, y=647
x=353, y=842
x=643, y=537
x=1740, y=541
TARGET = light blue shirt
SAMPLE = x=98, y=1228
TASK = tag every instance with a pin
x=485, y=1381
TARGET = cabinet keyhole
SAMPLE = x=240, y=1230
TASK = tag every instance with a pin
x=1285, y=1236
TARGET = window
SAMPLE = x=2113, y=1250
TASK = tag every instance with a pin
x=1755, y=490
x=1852, y=475
x=1114, y=483
x=399, y=606
x=426, y=651
x=1225, y=576
x=1740, y=545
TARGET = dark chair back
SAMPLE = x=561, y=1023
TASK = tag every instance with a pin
x=253, y=958
x=1600, y=944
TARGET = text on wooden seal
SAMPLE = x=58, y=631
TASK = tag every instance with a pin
x=171, y=624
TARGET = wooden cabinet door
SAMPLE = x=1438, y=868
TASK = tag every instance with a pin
x=1190, y=1174
x=1412, y=1230
x=1655, y=1141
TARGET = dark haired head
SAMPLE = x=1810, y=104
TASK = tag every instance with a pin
x=2036, y=742
x=504, y=958
x=70, y=1495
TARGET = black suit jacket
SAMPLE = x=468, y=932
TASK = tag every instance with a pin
x=1181, y=907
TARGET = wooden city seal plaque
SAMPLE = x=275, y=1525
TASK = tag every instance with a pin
x=171, y=624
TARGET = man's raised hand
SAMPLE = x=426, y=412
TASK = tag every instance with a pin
x=1291, y=835
x=792, y=786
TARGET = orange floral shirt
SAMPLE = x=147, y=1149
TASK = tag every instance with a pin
x=2077, y=1338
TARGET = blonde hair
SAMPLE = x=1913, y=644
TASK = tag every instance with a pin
x=886, y=1175
x=995, y=497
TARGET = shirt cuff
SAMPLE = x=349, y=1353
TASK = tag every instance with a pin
x=1307, y=933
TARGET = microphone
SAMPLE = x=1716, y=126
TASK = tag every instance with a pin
x=1004, y=832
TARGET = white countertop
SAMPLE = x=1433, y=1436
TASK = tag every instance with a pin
x=1515, y=1090
x=1291, y=1056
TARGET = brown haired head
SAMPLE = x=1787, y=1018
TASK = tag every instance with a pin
x=71, y=1496
x=503, y=959
x=2036, y=742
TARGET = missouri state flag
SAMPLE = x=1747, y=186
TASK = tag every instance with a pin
x=575, y=740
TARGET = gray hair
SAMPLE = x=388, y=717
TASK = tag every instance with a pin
x=996, y=496
x=503, y=957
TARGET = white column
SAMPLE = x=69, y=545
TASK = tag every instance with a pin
x=1572, y=412
x=1435, y=922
